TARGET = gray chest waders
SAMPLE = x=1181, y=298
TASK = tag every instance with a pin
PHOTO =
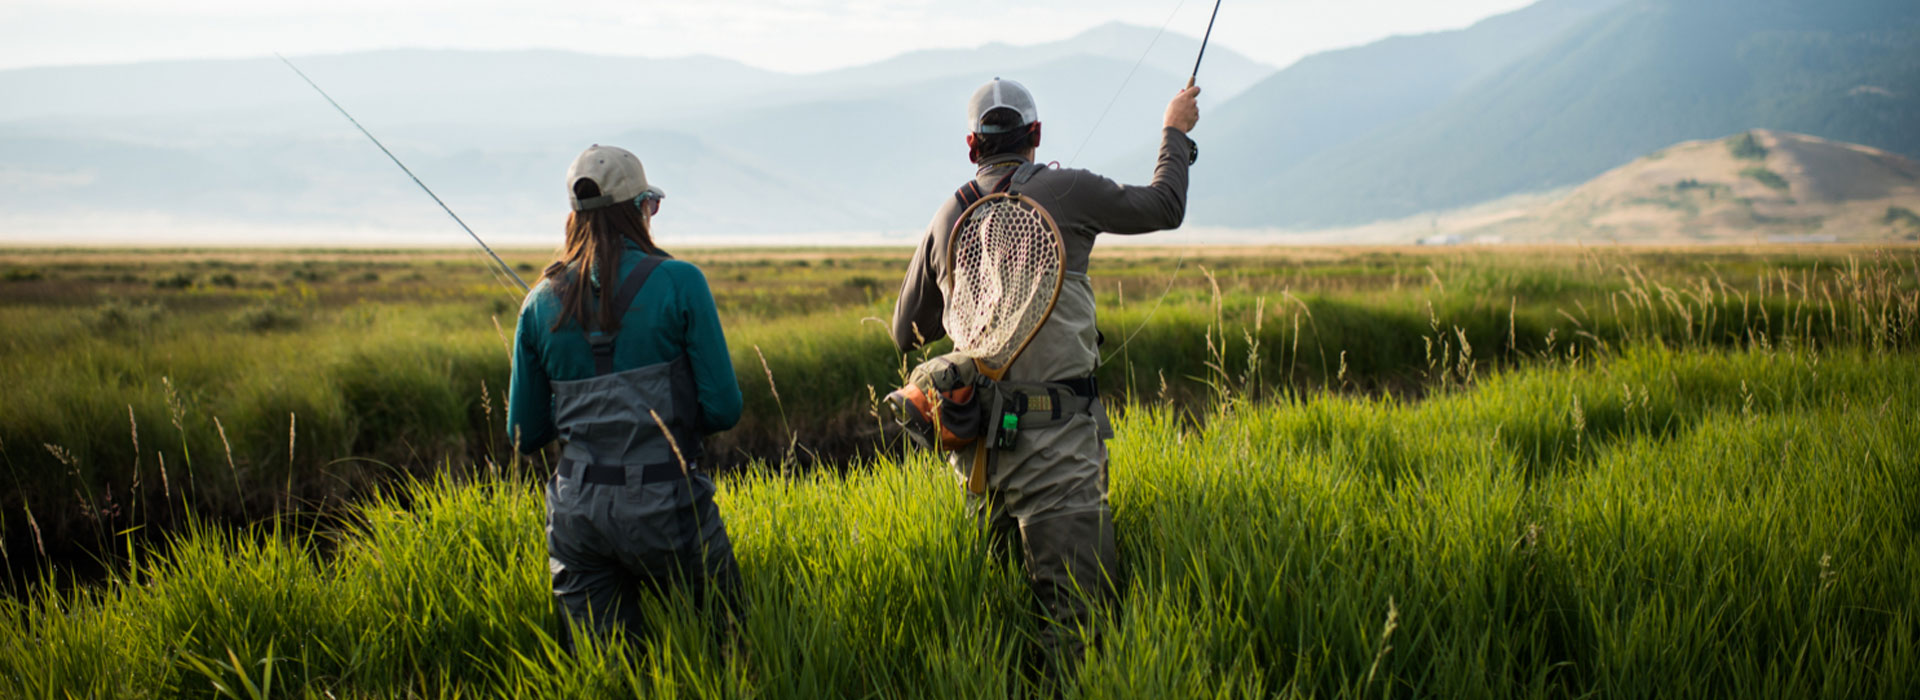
x=625, y=513
x=607, y=423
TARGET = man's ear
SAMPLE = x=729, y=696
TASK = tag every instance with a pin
x=1036, y=134
x=969, y=142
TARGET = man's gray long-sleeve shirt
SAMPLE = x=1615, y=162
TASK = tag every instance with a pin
x=1083, y=205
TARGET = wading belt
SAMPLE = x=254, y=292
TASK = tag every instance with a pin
x=1016, y=407
x=1046, y=404
x=616, y=475
x=602, y=342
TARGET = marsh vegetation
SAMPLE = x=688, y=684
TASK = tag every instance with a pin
x=1539, y=472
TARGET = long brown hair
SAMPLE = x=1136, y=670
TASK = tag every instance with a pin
x=595, y=238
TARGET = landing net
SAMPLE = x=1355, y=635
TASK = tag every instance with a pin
x=1007, y=260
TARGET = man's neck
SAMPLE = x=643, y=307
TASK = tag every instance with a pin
x=1005, y=160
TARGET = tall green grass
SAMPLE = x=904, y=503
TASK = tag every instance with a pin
x=238, y=403
x=1698, y=523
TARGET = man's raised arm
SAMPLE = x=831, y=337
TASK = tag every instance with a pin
x=1162, y=205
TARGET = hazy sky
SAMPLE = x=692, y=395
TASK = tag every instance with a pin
x=788, y=35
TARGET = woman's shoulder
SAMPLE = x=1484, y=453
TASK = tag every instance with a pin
x=543, y=290
x=682, y=272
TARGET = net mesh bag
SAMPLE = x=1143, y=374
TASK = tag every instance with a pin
x=1007, y=260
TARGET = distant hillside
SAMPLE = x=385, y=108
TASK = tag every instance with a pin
x=392, y=88
x=171, y=148
x=1228, y=73
x=1627, y=81
x=551, y=88
x=1332, y=99
x=1754, y=187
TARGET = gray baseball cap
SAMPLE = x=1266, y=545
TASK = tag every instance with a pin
x=999, y=94
x=616, y=171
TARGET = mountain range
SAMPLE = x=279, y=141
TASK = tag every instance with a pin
x=1543, y=98
x=1552, y=95
x=182, y=150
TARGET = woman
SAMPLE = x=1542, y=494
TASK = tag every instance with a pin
x=619, y=356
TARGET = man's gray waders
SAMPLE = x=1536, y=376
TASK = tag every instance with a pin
x=1047, y=494
x=1046, y=502
x=623, y=517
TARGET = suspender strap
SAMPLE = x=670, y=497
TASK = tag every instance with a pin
x=602, y=340
x=631, y=288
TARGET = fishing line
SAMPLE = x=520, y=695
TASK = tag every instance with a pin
x=1123, y=82
x=1180, y=261
x=416, y=180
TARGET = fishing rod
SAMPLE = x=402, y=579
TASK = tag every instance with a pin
x=1203, y=44
x=416, y=179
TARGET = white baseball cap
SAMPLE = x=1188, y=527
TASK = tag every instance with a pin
x=616, y=171
x=1000, y=94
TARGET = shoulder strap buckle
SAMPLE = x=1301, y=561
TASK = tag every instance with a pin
x=602, y=340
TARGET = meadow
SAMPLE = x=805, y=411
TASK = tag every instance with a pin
x=1356, y=472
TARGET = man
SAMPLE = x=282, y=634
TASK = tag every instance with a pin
x=1048, y=494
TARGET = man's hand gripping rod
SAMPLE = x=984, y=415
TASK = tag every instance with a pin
x=409, y=172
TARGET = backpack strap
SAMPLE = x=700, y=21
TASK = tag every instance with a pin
x=601, y=340
x=970, y=192
x=1020, y=176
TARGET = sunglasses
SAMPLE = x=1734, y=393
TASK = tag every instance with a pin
x=649, y=202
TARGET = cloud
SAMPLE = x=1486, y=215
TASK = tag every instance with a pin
x=24, y=179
